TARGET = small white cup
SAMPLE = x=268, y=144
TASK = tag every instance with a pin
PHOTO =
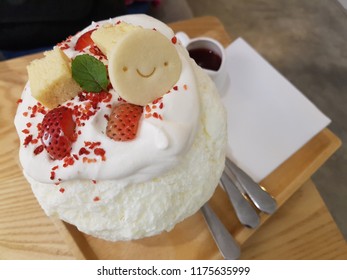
x=220, y=76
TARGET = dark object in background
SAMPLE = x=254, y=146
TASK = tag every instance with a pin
x=29, y=24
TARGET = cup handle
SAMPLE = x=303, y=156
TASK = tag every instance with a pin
x=183, y=37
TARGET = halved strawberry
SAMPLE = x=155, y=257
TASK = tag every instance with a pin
x=124, y=121
x=58, y=132
x=84, y=41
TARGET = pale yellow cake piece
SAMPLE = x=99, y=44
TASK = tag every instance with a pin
x=51, y=80
x=108, y=35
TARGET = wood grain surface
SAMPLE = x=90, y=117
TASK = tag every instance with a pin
x=26, y=233
x=303, y=229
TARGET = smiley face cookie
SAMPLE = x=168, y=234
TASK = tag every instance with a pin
x=143, y=66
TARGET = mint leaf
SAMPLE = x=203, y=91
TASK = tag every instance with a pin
x=89, y=73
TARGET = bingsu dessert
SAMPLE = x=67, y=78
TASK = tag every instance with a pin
x=121, y=133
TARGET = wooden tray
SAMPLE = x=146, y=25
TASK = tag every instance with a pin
x=26, y=233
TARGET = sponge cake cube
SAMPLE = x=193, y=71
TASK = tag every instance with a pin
x=51, y=80
x=108, y=35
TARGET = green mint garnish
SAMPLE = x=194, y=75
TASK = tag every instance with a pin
x=89, y=73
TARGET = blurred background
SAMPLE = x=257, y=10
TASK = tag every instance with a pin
x=305, y=40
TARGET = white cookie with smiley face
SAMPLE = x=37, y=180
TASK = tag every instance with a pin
x=143, y=66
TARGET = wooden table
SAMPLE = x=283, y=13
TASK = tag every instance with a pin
x=301, y=229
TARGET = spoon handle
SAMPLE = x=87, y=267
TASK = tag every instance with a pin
x=226, y=244
x=245, y=212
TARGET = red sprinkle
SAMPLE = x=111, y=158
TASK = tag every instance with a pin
x=83, y=151
x=55, y=167
x=175, y=87
x=157, y=100
x=25, y=114
x=94, y=144
x=38, y=150
x=174, y=40
x=34, y=109
x=100, y=152
x=96, y=51
x=26, y=131
x=109, y=87
x=185, y=87
x=88, y=160
x=27, y=140
x=87, y=143
x=161, y=105
x=94, y=181
x=63, y=46
x=20, y=100
x=68, y=161
x=52, y=175
x=62, y=190
x=96, y=199
x=28, y=124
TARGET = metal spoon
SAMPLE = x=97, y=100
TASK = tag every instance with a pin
x=260, y=197
x=245, y=212
x=226, y=244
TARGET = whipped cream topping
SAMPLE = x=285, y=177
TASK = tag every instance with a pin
x=166, y=131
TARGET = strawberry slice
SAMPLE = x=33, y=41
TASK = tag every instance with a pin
x=58, y=132
x=124, y=121
x=84, y=41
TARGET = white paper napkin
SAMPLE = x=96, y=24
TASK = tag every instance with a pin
x=268, y=118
